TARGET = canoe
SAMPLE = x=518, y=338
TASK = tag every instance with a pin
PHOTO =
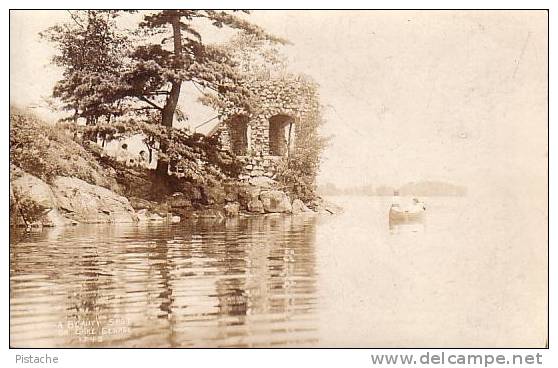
x=411, y=214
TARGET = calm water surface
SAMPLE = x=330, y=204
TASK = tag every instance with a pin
x=345, y=280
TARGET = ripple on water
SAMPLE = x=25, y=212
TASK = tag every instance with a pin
x=241, y=283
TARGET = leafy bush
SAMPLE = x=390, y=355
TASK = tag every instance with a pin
x=297, y=173
x=48, y=150
x=200, y=158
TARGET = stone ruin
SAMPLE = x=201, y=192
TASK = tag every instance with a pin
x=269, y=134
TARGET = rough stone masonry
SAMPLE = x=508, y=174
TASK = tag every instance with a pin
x=268, y=134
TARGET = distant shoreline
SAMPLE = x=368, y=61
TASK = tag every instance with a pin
x=426, y=188
x=388, y=196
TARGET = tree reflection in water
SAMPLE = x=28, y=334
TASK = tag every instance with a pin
x=242, y=282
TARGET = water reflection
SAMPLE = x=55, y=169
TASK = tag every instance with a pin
x=407, y=227
x=329, y=281
x=239, y=282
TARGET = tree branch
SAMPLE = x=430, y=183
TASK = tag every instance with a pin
x=206, y=86
x=156, y=93
x=146, y=108
x=74, y=18
x=145, y=99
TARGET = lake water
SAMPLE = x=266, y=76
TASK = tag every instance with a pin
x=473, y=275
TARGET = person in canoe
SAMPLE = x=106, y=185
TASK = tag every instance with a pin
x=412, y=213
x=419, y=204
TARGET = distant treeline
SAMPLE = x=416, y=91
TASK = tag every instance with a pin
x=421, y=188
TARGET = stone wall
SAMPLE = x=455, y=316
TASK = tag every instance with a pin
x=258, y=166
x=291, y=98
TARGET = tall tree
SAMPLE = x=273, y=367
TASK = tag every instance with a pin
x=104, y=75
x=190, y=58
x=160, y=72
x=91, y=53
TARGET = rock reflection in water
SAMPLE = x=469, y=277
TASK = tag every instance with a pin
x=240, y=283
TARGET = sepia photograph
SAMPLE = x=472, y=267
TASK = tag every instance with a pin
x=187, y=178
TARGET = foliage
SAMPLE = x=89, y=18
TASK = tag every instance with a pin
x=255, y=58
x=189, y=60
x=125, y=82
x=264, y=70
x=298, y=171
x=47, y=151
x=92, y=53
x=105, y=76
x=199, y=158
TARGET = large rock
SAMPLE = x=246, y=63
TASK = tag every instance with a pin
x=29, y=187
x=213, y=194
x=68, y=201
x=255, y=206
x=179, y=200
x=84, y=202
x=232, y=209
x=231, y=192
x=275, y=201
x=247, y=194
x=140, y=203
x=34, y=202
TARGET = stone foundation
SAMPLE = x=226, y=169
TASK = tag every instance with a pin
x=257, y=166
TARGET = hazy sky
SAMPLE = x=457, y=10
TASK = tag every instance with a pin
x=441, y=95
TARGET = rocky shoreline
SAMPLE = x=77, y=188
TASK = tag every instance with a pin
x=71, y=201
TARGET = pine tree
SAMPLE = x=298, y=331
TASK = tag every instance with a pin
x=161, y=72
x=105, y=76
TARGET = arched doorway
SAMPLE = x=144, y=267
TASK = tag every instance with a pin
x=281, y=135
x=239, y=135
